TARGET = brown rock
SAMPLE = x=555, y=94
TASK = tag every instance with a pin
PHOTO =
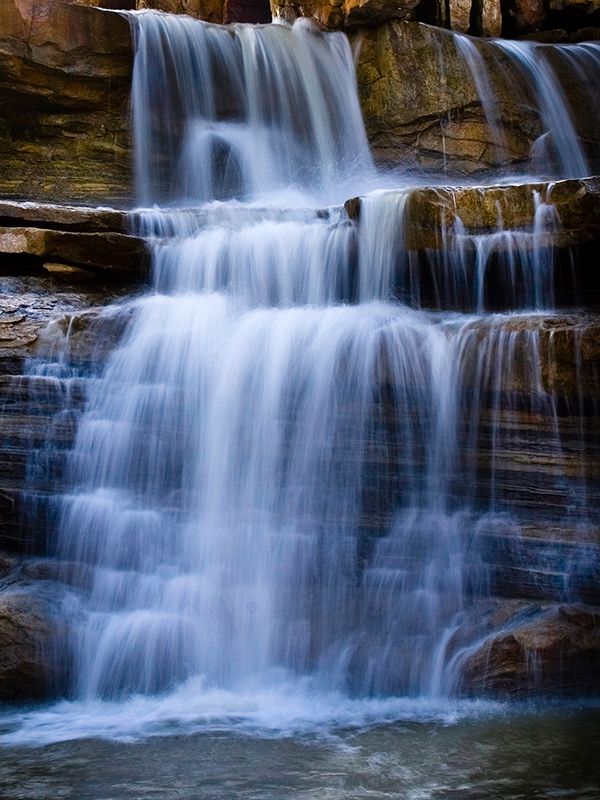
x=525, y=15
x=344, y=13
x=545, y=650
x=480, y=209
x=65, y=71
x=31, y=636
x=209, y=10
x=64, y=217
x=115, y=252
x=437, y=121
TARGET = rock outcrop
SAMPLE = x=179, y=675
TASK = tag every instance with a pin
x=344, y=13
x=433, y=210
x=533, y=649
x=438, y=122
x=65, y=73
x=219, y=11
x=33, y=645
x=489, y=18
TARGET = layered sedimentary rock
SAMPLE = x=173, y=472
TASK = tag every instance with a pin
x=219, y=11
x=476, y=17
x=482, y=209
x=65, y=73
x=528, y=648
x=438, y=121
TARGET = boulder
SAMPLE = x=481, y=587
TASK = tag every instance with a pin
x=32, y=646
x=534, y=650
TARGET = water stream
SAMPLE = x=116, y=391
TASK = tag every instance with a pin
x=274, y=489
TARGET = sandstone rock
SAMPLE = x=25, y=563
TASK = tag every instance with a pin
x=116, y=252
x=481, y=208
x=537, y=650
x=460, y=13
x=64, y=217
x=31, y=638
x=344, y=13
x=209, y=10
x=219, y=11
x=525, y=15
x=37, y=317
x=491, y=19
x=436, y=121
x=65, y=72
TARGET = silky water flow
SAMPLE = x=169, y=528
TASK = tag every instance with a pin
x=275, y=490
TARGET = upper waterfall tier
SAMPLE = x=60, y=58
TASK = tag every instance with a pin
x=223, y=113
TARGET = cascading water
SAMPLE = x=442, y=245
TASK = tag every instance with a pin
x=530, y=77
x=276, y=482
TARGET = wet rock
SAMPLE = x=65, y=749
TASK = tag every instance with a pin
x=433, y=210
x=407, y=120
x=209, y=10
x=37, y=317
x=535, y=650
x=32, y=635
x=344, y=13
x=437, y=122
x=64, y=217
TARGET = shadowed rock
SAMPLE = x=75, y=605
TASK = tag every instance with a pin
x=535, y=650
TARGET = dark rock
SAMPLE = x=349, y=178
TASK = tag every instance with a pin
x=535, y=650
x=33, y=638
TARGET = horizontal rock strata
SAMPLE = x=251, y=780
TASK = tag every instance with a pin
x=65, y=73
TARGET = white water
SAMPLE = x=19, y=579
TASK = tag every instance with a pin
x=255, y=561
x=530, y=74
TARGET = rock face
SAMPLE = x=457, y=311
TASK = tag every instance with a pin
x=344, y=13
x=435, y=122
x=438, y=122
x=209, y=10
x=65, y=72
x=32, y=639
x=534, y=650
x=34, y=291
x=78, y=237
x=476, y=17
x=431, y=210
x=219, y=11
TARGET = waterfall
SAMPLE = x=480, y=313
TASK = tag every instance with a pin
x=240, y=111
x=525, y=72
x=285, y=474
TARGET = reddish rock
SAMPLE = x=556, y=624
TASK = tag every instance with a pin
x=537, y=650
x=65, y=73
